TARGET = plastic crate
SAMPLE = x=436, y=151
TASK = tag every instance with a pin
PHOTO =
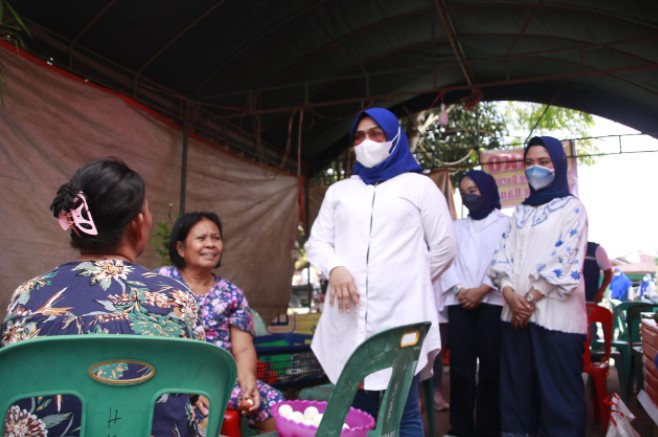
x=286, y=360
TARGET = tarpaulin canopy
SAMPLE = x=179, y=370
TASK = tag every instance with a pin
x=247, y=73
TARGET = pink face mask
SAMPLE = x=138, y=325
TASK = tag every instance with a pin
x=79, y=219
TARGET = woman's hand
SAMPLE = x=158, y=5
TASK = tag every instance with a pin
x=342, y=288
x=250, y=398
x=244, y=352
x=202, y=404
x=520, y=321
x=521, y=309
x=470, y=298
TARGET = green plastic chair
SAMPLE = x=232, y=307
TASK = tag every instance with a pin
x=398, y=348
x=259, y=324
x=627, y=324
x=323, y=393
x=68, y=364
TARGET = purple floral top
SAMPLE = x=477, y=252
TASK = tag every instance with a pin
x=225, y=305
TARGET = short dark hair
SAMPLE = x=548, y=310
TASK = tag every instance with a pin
x=181, y=229
x=115, y=195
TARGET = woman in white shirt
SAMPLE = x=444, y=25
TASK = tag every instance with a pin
x=380, y=237
x=474, y=305
x=538, y=267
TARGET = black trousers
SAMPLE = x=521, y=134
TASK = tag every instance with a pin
x=474, y=344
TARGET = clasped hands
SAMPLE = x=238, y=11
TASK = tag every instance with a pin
x=470, y=298
x=521, y=309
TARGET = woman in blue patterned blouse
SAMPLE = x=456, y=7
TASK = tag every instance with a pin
x=538, y=266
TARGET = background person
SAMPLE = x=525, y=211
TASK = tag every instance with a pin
x=196, y=245
x=620, y=286
x=474, y=306
x=104, y=291
x=381, y=237
x=538, y=266
x=596, y=261
x=647, y=288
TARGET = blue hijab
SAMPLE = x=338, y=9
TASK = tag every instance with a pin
x=560, y=186
x=400, y=159
x=488, y=190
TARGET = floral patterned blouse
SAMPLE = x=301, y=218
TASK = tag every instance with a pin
x=544, y=248
x=107, y=297
x=225, y=305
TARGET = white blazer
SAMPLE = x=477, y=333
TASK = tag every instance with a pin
x=394, y=238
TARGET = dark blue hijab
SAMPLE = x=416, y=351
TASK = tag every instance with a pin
x=560, y=185
x=400, y=159
x=488, y=189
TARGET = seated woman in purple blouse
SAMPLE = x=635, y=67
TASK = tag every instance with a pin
x=195, y=248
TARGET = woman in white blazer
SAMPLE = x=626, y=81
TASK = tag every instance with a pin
x=381, y=237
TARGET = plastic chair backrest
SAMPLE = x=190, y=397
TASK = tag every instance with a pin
x=67, y=364
x=602, y=315
x=396, y=348
x=259, y=325
x=633, y=321
x=619, y=315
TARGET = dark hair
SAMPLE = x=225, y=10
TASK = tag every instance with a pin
x=181, y=229
x=115, y=195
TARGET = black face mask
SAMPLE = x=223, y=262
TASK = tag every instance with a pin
x=472, y=202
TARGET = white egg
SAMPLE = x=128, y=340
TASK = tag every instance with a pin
x=297, y=416
x=317, y=419
x=285, y=410
x=346, y=426
x=308, y=421
x=311, y=411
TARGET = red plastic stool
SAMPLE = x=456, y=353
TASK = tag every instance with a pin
x=231, y=424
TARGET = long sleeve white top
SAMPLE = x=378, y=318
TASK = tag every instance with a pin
x=544, y=248
x=394, y=238
x=477, y=240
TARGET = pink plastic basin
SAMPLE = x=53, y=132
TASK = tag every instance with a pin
x=359, y=421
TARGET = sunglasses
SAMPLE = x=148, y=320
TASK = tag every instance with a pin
x=374, y=133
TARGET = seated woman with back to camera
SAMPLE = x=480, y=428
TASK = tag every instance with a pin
x=103, y=291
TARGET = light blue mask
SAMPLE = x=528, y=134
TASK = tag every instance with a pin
x=539, y=177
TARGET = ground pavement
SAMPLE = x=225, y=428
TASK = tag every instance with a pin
x=642, y=422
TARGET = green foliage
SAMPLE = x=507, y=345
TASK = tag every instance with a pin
x=161, y=241
x=11, y=25
x=532, y=119
x=11, y=28
x=457, y=145
x=547, y=119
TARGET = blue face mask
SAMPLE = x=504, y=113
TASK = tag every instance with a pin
x=539, y=177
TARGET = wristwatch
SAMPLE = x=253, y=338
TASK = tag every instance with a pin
x=530, y=298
